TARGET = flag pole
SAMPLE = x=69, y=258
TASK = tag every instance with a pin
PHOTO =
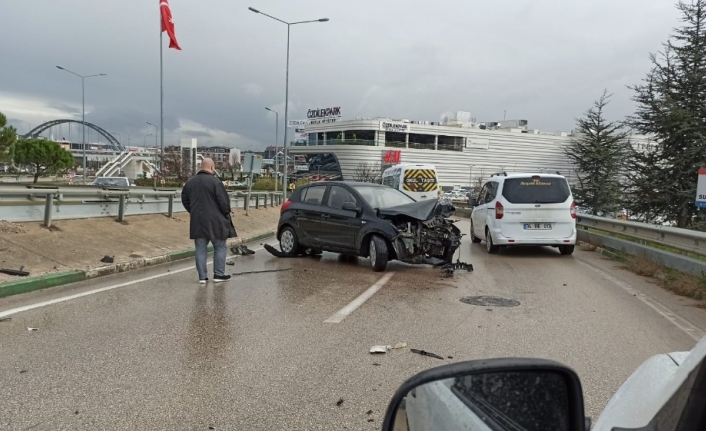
x=161, y=98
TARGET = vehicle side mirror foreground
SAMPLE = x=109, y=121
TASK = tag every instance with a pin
x=492, y=395
x=350, y=206
x=473, y=202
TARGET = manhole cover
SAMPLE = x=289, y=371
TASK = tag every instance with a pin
x=490, y=301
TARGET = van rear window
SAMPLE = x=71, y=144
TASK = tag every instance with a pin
x=536, y=190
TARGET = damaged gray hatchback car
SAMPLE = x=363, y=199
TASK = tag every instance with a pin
x=367, y=220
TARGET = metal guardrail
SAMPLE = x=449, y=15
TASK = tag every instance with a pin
x=48, y=203
x=684, y=240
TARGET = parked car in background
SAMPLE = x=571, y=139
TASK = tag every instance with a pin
x=113, y=182
x=367, y=220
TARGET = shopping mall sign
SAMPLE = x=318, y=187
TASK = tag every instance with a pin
x=391, y=157
x=324, y=115
x=394, y=126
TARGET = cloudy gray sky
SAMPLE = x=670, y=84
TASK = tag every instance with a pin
x=545, y=61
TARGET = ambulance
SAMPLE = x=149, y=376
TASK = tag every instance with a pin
x=418, y=181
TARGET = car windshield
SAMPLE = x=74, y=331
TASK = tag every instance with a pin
x=536, y=190
x=382, y=197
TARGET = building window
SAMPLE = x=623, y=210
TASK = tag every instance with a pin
x=395, y=139
x=424, y=142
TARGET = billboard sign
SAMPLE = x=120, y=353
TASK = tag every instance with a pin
x=701, y=189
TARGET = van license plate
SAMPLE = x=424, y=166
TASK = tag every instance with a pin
x=537, y=226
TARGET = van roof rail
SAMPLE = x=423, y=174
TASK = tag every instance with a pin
x=498, y=173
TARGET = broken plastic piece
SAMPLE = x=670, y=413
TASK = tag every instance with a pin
x=6, y=319
x=17, y=272
x=379, y=349
x=400, y=345
x=242, y=250
x=449, y=268
x=424, y=353
x=262, y=271
x=230, y=262
x=32, y=329
x=107, y=259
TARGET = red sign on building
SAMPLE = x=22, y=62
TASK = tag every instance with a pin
x=392, y=157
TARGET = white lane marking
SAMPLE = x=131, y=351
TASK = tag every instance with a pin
x=681, y=323
x=104, y=289
x=357, y=302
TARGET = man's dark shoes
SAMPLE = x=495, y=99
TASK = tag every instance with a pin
x=221, y=278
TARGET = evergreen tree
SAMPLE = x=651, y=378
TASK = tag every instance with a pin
x=8, y=137
x=671, y=110
x=44, y=156
x=598, y=152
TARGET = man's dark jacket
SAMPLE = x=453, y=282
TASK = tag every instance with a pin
x=208, y=203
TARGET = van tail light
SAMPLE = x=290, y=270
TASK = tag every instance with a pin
x=284, y=206
x=573, y=209
x=499, y=210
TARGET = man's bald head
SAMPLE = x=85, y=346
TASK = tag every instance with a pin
x=208, y=165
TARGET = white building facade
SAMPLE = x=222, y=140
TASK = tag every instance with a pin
x=465, y=153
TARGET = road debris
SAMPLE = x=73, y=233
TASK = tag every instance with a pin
x=242, y=250
x=230, y=262
x=340, y=401
x=6, y=319
x=385, y=349
x=449, y=268
x=107, y=259
x=369, y=412
x=425, y=353
x=261, y=271
x=32, y=329
x=277, y=253
x=379, y=349
x=23, y=371
x=17, y=272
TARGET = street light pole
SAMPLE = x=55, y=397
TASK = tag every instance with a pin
x=286, y=91
x=156, y=132
x=83, y=113
x=276, y=139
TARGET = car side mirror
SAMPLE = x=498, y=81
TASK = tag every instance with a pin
x=351, y=206
x=474, y=202
x=495, y=394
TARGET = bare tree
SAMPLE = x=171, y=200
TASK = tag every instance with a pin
x=175, y=166
x=368, y=172
x=234, y=166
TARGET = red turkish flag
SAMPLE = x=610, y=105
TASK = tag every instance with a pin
x=168, y=24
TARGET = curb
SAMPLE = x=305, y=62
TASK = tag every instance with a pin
x=52, y=280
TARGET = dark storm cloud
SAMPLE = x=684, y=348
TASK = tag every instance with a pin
x=544, y=61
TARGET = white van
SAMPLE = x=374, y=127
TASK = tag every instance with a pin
x=525, y=209
x=418, y=181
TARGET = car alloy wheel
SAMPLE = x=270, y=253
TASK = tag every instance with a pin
x=373, y=252
x=288, y=242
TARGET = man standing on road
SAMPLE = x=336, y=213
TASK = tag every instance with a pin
x=206, y=200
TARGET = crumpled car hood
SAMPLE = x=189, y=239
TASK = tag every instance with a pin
x=422, y=210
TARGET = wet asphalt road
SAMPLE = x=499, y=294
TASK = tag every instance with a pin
x=256, y=353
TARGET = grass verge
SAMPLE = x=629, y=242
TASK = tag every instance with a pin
x=682, y=284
